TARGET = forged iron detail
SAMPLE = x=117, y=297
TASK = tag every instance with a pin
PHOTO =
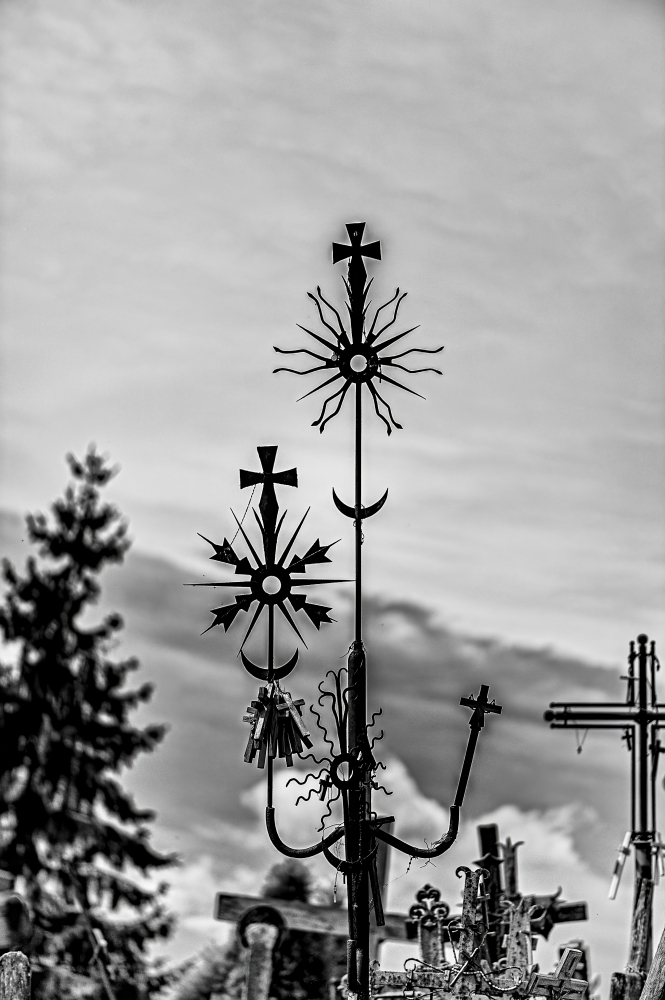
x=364, y=512
x=330, y=782
x=272, y=579
x=353, y=352
x=261, y=673
x=356, y=356
x=277, y=729
x=429, y=905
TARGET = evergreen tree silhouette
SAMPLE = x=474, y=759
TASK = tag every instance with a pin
x=71, y=833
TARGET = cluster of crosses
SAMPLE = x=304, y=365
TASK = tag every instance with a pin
x=488, y=949
x=272, y=578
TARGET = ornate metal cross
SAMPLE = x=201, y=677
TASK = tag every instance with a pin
x=355, y=357
x=268, y=503
x=640, y=718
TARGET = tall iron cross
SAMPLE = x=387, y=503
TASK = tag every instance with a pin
x=641, y=713
x=268, y=504
x=481, y=706
x=639, y=716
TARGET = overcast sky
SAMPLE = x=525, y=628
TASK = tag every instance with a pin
x=174, y=173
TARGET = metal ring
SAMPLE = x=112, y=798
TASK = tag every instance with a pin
x=354, y=767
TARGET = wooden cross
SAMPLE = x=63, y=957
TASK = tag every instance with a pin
x=561, y=983
x=500, y=859
x=639, y=717
x=330, y=921
x=455, y=978
x=268, y=504
x=509, y=851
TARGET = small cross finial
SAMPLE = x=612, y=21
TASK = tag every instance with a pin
x=481, y=706
x=340, y=251
x=268, y=504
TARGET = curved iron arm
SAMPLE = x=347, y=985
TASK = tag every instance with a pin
x=298, y=852
x=420, y=852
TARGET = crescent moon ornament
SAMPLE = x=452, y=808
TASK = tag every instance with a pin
x=344, y=508
x=261, y=673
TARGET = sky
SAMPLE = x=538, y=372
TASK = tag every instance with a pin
x=173, y=176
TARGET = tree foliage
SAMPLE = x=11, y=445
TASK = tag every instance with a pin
x=71, y=832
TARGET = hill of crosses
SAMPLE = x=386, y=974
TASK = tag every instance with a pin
x=74, y=925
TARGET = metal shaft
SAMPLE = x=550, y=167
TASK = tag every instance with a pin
x=358, y=524
x=643, y=859
x=357, y=837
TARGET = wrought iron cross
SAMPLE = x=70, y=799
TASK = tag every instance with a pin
x=358, y=359
x=268, y=503
x=640, y=717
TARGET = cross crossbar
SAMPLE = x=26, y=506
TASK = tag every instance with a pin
x=340, y=251
x=640, y=717
x=561, y=982
x=331, y=920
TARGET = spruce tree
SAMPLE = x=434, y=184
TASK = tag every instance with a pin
x=68, y=830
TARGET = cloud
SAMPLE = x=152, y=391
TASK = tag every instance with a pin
x=419, y=668
x=175, y=189
x=570, y=808
x=547, y=860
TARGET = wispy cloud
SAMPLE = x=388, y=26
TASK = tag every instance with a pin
x=175, y=175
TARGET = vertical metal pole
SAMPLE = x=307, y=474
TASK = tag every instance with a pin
x=271, y=640
x=643, y=855
x=358, y=524
x=655, y=743
x=643, y=860
x=356, y=848
x=633, y=779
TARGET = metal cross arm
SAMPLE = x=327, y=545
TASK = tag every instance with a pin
x=298, y=852
x=572, y=716
x=639, y=717
x=561, y=983
x=481, y=706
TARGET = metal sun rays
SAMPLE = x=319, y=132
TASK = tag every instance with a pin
x=356, y=354
x=276, y=724
x=271, y=579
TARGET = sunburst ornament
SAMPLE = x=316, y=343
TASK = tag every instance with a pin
x=272, y=577
x=356, y=355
